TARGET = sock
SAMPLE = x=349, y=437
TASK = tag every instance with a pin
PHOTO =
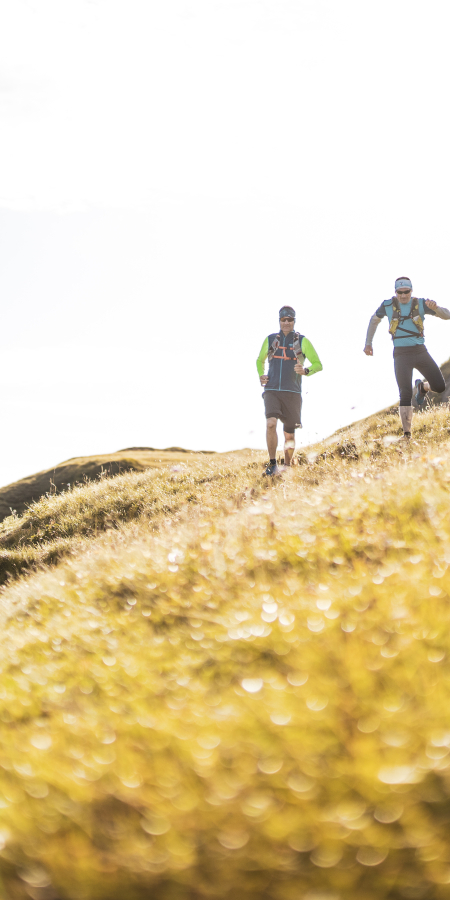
x=273, y=462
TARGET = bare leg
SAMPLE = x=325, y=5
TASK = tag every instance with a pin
x=289, y=447
x=272, y=437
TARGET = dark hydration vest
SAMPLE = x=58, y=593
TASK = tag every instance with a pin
x=284, y=351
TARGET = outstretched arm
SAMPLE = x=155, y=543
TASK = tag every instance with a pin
x=311, y=356
x=263, y=353
x=373, y=325
x=440, y=311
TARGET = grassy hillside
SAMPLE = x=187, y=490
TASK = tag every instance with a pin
x=229, y=688
x=64, y=523
x=19, y=495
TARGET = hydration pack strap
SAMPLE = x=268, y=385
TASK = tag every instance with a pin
x=297, y=347
x=398, y=320
x=273, y=348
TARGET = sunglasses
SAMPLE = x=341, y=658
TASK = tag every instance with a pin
x=287, y=319
x=404, y=292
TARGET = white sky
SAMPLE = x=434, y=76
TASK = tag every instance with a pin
x=171, y=173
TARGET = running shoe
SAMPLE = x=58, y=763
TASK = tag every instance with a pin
x=420, y=394
x=271, y=469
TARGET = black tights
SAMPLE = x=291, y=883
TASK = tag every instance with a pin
x=408, y=358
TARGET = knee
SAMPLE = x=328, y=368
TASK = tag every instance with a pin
x=272, y=422
x=437, y=384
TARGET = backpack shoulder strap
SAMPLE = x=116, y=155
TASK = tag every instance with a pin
x=297, y=345
x=273, y=347
x=395, y=315
x=415, y=315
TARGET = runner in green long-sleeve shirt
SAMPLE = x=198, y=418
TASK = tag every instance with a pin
x=286, y=351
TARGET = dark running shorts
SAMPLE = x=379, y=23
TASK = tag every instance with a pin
x=284, y=405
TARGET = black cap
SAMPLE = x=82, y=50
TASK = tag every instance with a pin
x=287, y=311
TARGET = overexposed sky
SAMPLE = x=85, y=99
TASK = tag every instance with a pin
x=171, y=173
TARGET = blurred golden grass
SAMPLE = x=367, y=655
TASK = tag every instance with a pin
x=251, y=700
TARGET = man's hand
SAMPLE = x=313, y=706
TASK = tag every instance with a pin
x=368, y=350
x=298, y=368
x=263, y=379
x=431, y=304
